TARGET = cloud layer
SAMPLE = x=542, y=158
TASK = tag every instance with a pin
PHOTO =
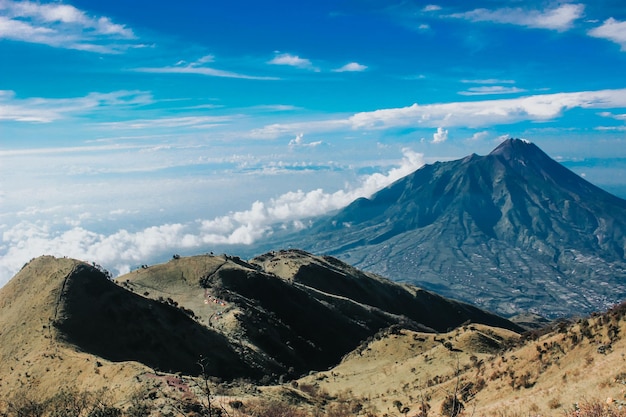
x=44, y=110
x=473, y=114
x=123, y=249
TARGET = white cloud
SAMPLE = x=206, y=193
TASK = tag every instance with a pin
x=560, y=18
x=278, y=129
x=493, y=89
x=611, y=128
x=352, y=67
x=62, y=26
x=488, y=112
x=299, y=205
x=122, y=249
x=44, y=110
x=473, y=114
x=431, y=8
x=478, y=136
x=204, y=60
x=293, y=61
x=612, y=30
x=488, y=81
x=440, y=136
x=613, y=116
x=298, y=142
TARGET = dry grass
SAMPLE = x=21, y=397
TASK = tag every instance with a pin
x=492, y=371
x=597, y=409
x=536, y=375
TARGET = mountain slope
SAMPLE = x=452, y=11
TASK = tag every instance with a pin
x=281, y=314
x=74, y=304
x=32, y=355
x=494, y=372
x=101, y=318
x=511, y=231
x=298, y=311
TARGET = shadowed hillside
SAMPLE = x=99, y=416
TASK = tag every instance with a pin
x=101, y=318
x=80, y=306
x=299, y=311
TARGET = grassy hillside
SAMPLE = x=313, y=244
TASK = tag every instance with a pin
x=69, y=335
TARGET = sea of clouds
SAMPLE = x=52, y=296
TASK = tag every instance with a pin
x=122, y=249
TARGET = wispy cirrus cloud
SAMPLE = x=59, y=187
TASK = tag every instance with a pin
x=65, y=150
x=351, y=67
x=613, y=30
x=488, y=90
x=276, y=107
x=611, y=128
x=199, y=67
x=293, y=61
x=46, y=110
x=560, y=18
x=488, y=81
x=613, y=116
x=172, y=122
x=62, y=26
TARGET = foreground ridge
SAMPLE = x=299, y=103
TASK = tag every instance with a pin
x=480, y=368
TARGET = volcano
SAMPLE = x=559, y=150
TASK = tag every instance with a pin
x=513, y=231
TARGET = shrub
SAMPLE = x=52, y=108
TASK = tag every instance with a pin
x=595, y=409
x=339, y=410
x=20, y=405
x=451, y=406
x=105, y=411
x=139, y=406
x=554, y=403
x=273, y=408
x=69, y=402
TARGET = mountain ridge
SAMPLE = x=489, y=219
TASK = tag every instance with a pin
x=283, y=313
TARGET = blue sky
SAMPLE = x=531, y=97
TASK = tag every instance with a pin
x=128, y=133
